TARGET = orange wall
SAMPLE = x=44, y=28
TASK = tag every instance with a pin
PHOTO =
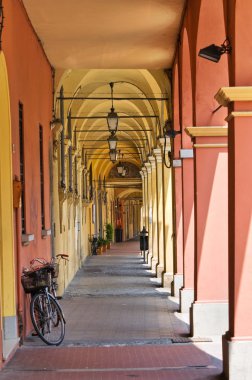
x=30, y=82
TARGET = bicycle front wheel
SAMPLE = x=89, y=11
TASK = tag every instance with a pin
x=47, y=319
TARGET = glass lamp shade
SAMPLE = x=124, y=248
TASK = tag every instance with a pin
x=112, y=141
x=120, y=168
x=112, y=120
x=123, y=172
x=113, y=155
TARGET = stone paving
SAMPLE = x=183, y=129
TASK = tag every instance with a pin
x=120, y=324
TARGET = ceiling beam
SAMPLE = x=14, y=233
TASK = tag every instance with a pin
x=118, y=147
x=118, y=130
x=105, y=117
x=117, y=140
x=108, y=98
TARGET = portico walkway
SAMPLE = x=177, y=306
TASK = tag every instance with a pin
x=120, y=324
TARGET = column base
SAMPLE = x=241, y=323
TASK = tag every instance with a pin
x=149, y=258
x=160, y=271
x=167, y=279
x=154, y=264
x=10, y=336
x=208, y=318
x=177, y=284
x=186, y=298
x=9, y=347
x=237, y=362
x=145, y=256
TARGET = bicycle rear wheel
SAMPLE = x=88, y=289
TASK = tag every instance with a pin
x=47, y=319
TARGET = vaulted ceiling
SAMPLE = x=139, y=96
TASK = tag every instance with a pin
x=93, y=43
x=107, y=33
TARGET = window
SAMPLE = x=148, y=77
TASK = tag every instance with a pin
x=21, y=163
x=76, y=175
x=41, y=162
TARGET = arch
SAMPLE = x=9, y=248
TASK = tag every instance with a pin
x=186, y=110
x=139, y=83
x=126, y=193
x=239, y=32
x=8, y=291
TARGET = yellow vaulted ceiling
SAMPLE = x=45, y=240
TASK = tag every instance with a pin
x=93, y=43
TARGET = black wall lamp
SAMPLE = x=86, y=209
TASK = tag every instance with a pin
x=214, y=52
x=112, y=118
x=168, y=131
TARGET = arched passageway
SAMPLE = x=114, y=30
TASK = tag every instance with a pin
x=112, y=122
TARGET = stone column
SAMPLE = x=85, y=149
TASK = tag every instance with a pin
x=143, y=195
x=154, y=261
x=177, y=218
x=168, y=223
x=146, y=201
x=160, y=212
x=131, y=219
x=187, y=291
x=237, y=342
x=209, y=311
x=150, y=211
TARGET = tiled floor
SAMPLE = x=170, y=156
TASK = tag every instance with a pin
x=120, y=324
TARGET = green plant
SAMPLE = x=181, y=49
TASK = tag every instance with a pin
x=109, y=232
x=100, y=241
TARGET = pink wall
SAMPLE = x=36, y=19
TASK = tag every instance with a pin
x=211, y=212
x=30, y=82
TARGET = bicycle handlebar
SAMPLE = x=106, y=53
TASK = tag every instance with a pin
x=63, y=256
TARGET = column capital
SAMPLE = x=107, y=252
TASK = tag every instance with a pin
x=144, y=171
x=226, y=95
x=152, y=161
x=158, y=155
x=216, y=133
x=162, y=144
x=212, y=131
x=56, y=128
x=67, y=144
x=148, y=167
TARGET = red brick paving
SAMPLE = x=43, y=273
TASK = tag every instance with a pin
x=149, y=356
x=131, y=247
x=141, y=362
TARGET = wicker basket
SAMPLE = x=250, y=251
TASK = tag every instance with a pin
x=35, y=280
x=54, y=269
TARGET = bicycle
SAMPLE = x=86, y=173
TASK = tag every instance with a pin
x=46, y=314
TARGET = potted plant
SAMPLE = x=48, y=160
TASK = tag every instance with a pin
x=109, y=234
x=104, y=245
x=99, y=245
